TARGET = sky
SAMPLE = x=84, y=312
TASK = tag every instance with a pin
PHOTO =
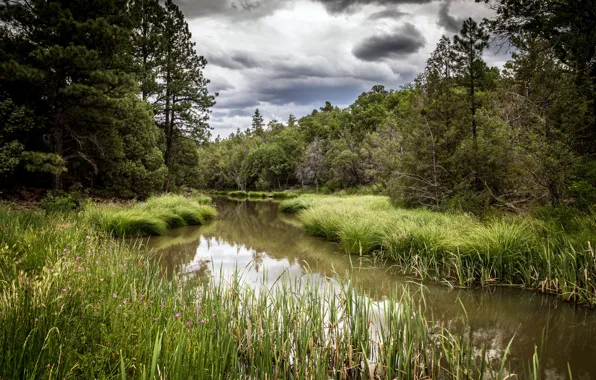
x=290, y=56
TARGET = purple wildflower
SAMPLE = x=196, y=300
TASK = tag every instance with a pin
x=177, y=315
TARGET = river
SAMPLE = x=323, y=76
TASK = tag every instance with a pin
x=254, y=238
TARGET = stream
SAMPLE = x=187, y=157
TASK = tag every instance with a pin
x=254, y=238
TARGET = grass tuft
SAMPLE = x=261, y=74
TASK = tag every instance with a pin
x=153, y=217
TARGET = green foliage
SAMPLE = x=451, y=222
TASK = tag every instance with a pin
x=59, y=201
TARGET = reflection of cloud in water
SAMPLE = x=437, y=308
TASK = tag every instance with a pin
x=251, y=238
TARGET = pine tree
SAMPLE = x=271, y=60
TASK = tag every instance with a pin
x=469, y=46
x=258, y=123
x=67, y=62
x=147, y=17
x=292, y=123
x=183, y=99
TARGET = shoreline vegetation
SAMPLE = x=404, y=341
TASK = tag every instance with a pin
x=459, y=249
x=150, y=218
x=279, y=195
x=153, y=217
x=77, y=305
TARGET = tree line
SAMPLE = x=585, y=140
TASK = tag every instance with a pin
x=104, y=94
x=462, y=135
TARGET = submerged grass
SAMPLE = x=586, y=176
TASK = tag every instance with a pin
x=458, y=248
x=75, y=305
x=153, y=217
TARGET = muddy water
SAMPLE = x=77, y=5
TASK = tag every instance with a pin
x=252, y=237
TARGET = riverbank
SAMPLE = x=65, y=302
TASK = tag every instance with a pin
x=77, y=305
x=458, y=248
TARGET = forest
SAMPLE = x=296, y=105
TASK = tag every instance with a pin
x=126, y=113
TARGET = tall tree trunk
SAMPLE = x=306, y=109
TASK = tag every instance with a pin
x=168, y=128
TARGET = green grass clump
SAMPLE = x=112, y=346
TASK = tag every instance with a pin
x=258, y=194
x=153, y=217
x=89, y=307
x=284, y=195
x=292, y=206
x=238, y=193
x=457, y=248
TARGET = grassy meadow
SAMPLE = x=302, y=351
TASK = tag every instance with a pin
x=458, y=248
x=77, y=303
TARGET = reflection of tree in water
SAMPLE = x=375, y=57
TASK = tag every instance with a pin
x=257, y=260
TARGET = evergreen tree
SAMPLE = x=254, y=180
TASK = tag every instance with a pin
x=183, y=99
x=68, y=62
x=258, y=123
x=469, y=46
x=147, y=17
x=292, y=122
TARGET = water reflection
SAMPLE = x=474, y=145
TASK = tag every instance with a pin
x=254, y=238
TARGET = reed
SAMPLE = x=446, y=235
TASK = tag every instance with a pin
x=90, y=307
x=458, y=248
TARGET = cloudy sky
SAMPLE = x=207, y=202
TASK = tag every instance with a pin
x=290, y=56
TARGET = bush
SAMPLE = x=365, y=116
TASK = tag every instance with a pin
x=59, y=201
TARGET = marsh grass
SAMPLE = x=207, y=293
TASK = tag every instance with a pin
x=258, y=194
x=90, y=307
x=152, y=217
x=458, y=248
x=238, y=194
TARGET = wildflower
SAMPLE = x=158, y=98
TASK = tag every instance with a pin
x=115, y=295
x=213, y=315
x=198, y=312
x=81, y=269
x=51, y=270
x=108, y=342
x=88, y=237
x=155, y=319
x=142, y=298
x=177, y=315
x=203, y=321
x=124, y=302
x=36, y=319
x=101, y=279
x=66, y=250
x=48, y=365
x=189, y=323
x=63, y=290
x=95, y=310
x=78, y=258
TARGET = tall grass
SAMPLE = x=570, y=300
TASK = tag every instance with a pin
x=458, y=248
x=88, y=307
x=153, y=217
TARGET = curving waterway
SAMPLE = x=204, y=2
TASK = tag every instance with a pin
x=254, y=238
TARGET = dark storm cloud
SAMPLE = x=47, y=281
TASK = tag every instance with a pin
x=303, y=93
x=247, y=9
x=403, y=41
x=391, y=13
x=450, y=23
x=235, y=61
x=336, y=6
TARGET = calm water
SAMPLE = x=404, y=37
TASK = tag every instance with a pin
x=254, y=238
